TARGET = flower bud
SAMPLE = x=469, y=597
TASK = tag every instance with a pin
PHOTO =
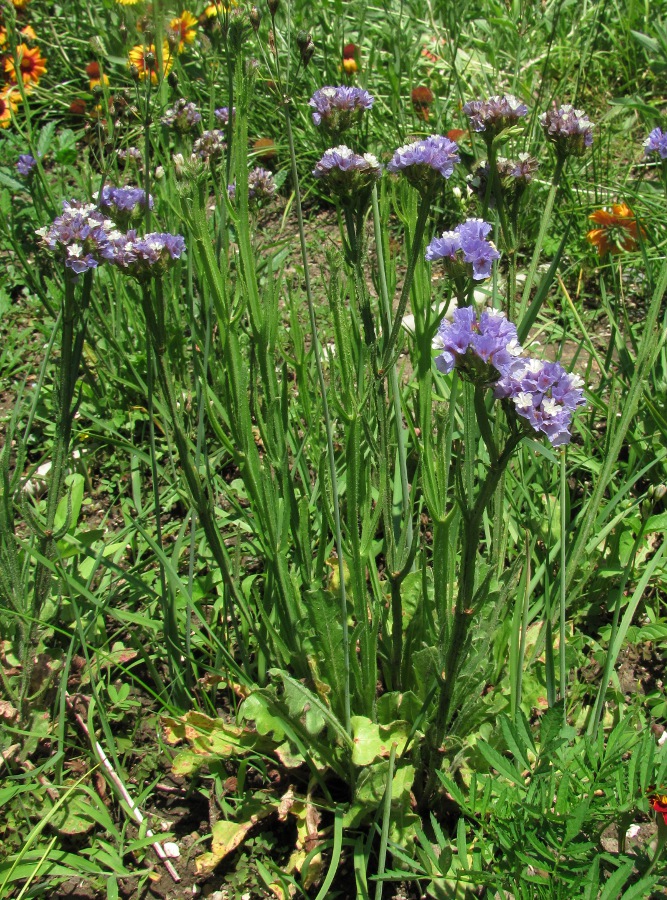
x=302, y=40
x=273, y=7
x=134, y=72
x=255, y=18
x=172, y=80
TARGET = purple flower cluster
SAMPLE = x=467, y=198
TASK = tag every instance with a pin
x=222, y=114
x=656, y=142
x=347, y=173
x=514, y=174
x=482, y=348
x=261, y=184
x=569, y=129
x=144, y=257
x=183, y=116
x=495, y=114
x=423, y=161
x=131, y=154
x=123, y=204
x=486, y=351
x=544, y=395
x=25, y=164
x=209, y=146
x=339, y=108
x=465, y=251
x=81, y=236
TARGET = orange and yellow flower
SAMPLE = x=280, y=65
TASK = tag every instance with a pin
x=95, y=75
x=20, y=4
x=127, y=2
x=218, y=8
x=29, y=33
x=184, y=28
x=145, y=60
x=619, y=230
x=659, y=805
x=9, y=100
x=30, y=63
x=350, y=66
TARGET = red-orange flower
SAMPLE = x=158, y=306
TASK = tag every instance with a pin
x=422, y=97
x=30, y=63
x=145, y=60
x=455, y=134
x=659, y=804
x=184, y=28
x=618, y=230
x=8, y=102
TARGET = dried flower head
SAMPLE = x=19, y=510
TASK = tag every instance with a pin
x=569, y=129
x=514, y=176
x=422, y=98
x=619, y=230
x=495, y=114
x=465, y=251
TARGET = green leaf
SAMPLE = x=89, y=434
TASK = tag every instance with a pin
x=498, y=762
x=372, y=741
x=45, y=138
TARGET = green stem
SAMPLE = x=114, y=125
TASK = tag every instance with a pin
x=563, y=566
x=544, y=225
x=422, y=216
x=394, y=390
x=328, y=425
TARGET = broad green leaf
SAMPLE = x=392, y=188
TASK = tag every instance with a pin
x=372, y=741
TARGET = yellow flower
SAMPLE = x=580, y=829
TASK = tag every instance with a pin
x=9, y=99
x=219, y=7
x=127, y=2
x=30, y=63
x=29, y=32
x=350, y=66
x=184, y=28
x=145, y=60
x=20, y=4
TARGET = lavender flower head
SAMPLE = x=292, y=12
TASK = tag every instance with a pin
x=656, y=142
x=132, y=154
x=80, y=237
x=544, y=395
x=569, y=129
x=423, y=161
x=182, y=116
x=346, y=173
x=515, y=176
x=209, y=146
x=495, y=114
x=222, y=114
x=25, y=164
x=123, y=204
x=483, y=348
x=145, y=257
x=465, y=251
x=261, y=184
x=339, y=108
